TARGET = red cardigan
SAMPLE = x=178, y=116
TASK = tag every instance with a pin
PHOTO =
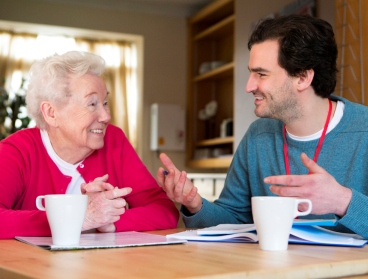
x=27, y=171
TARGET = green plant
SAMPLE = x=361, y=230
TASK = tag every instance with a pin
x=12, y=116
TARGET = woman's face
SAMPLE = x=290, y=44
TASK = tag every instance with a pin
x=81, y=124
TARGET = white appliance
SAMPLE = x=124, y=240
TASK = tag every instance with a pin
x=167, y=127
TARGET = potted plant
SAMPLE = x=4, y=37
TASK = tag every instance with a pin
x=13, y=115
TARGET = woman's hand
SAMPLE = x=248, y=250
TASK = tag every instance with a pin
x=105, y=204
x=177, y=186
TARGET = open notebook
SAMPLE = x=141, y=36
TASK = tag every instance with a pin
x=104, y=240
x=302, y=232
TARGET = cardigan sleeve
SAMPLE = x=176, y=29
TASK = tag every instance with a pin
x=14, y=220
x=149, y=206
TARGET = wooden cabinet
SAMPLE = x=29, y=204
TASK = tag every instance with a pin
x=352, y=41
x=211, y=82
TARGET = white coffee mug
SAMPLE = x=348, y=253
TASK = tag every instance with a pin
x=65, y=214
x=273, y=218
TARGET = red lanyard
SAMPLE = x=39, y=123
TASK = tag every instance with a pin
x=319, y=146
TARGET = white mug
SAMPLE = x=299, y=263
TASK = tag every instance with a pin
x=273, y=218
x=65, y=214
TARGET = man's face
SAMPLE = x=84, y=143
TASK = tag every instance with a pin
x=273, y=89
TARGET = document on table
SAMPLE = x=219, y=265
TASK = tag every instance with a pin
x=240, y=228
x=302, y=232
x=104, y=240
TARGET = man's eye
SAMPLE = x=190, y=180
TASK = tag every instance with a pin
x=261, y=75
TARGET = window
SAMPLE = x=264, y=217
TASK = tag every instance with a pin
x=19, y=50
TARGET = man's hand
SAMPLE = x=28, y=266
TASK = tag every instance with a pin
x=177, y=186
x=319, y=186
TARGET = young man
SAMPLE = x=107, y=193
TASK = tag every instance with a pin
x=307, y=142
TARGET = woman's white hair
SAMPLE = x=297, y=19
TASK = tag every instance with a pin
x=49, y=79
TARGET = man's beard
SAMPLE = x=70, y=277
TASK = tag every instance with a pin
x=282, y=104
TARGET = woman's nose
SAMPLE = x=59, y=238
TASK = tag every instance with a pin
x=105, y=115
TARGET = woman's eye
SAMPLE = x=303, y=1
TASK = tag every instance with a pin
x=106, y=103
x=93, y=104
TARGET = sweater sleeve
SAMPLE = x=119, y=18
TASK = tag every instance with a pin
x=354, y=218
x=233, y=205
x=149, y=206
x=14, y=221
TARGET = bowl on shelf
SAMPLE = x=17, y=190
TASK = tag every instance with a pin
x=205, y=67
x=216, y=64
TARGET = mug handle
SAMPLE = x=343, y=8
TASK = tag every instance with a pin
x=303, y=213
x=39, y=203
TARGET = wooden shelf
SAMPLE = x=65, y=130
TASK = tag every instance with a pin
x=218, y=73
x=211, y=163
x=211, y=38
x=213, y=11
x=224, y=27
x=216, y=141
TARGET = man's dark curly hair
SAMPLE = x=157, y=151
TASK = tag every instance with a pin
x=305, y=43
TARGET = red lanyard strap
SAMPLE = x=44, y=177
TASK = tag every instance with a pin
x=320, y=142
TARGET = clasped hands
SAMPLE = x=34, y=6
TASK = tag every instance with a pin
x=105, y=204
x=326, y=194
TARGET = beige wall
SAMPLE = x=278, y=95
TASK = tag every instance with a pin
x=164, y=51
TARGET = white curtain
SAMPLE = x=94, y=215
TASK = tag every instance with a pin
x=19, y=51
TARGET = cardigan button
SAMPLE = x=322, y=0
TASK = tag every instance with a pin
x=81, y=166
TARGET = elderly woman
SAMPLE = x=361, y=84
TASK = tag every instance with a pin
x=74, y=150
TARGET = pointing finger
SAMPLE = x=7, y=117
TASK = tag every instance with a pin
x=166, y=161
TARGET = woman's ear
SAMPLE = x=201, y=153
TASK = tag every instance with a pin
x=48, y=112
x=305, y=79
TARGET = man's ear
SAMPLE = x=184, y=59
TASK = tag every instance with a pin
x=305, y=79
x=48, y=112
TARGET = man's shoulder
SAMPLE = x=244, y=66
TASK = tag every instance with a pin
x=350, y=104
x=358, y=113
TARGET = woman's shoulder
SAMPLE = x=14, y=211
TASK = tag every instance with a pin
x=25, y=136
x=115, y=136
x=25, y=141
x=114, y=131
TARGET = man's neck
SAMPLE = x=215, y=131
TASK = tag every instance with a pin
x=313, y=118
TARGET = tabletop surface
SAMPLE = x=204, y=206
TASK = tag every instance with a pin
x=189, y=260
